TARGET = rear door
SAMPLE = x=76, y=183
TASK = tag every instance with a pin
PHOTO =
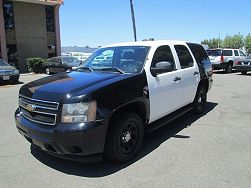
x=190, y=74
x=165, y=89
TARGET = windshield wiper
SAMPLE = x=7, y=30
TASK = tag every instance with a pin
x=114, y=69
x=85, y=68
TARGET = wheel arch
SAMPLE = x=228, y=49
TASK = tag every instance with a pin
x=138, y=107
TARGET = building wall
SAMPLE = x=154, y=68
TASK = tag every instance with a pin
x=31, y=33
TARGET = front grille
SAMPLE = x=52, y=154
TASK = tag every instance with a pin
x=38, y=111
x=5, y=72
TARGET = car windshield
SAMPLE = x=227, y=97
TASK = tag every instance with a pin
x=214, y=52
x=3, y=63
x=122, y=59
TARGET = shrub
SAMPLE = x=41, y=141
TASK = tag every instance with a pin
x=36, y=65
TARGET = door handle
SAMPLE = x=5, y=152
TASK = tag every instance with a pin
x=195, y=73
x=177, y=79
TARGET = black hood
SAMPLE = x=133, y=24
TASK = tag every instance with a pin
x=57, y=87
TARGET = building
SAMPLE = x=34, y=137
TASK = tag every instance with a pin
x=29, y=28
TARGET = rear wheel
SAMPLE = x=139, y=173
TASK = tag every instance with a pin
x=200, y=101
x=229, y=68
x=125, y=137
x=244, y=72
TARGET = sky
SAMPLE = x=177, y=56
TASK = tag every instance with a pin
x=99, y=22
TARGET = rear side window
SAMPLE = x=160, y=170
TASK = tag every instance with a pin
x=227, y=52
x=163, y=53
x=236, y=53
x=184, y=56
x=199, y=52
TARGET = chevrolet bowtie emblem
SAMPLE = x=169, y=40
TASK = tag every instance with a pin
x=30, y=108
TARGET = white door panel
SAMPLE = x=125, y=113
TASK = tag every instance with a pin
x=165, y=94
x=190, y=80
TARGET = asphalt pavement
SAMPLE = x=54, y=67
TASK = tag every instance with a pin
x=212, y=150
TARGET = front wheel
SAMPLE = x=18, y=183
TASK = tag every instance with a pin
x=125, y=137
x=200, y=101
x=244, y=72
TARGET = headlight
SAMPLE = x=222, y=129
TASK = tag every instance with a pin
x=15, y=72
x=79, y=112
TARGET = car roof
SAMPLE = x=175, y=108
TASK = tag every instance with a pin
x=147, y=43
x=223, y=49
x=63, y=57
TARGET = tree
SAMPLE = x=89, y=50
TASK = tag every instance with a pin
x=248, y=43
x=236, y=41
x=212, y=43
x=133, y=21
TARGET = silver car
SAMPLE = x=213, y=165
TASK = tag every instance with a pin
x=225, y=58
x=8, y=73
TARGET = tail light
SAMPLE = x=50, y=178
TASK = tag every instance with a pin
x=238, y=63
x=222, y=58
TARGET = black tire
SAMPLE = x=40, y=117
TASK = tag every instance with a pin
x=15, y=81
x=244, y=72
x=124, y=137
x=47, y=71
x=200, y=101
x=229, y=68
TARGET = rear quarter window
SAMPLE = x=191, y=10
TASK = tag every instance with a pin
x=199, y=52
x=227, y=53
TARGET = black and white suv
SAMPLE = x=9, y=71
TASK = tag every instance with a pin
x=104, y=108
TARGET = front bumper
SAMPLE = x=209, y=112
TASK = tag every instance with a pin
x=11, y=78
x=243, y=67
x=79, y=141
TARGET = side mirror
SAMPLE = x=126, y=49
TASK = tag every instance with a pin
x=161, y=67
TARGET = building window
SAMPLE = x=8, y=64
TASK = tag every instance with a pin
x=8, y=15
x=50, y=24
x=12, y=55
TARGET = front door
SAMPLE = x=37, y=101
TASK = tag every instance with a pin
x=165, y=90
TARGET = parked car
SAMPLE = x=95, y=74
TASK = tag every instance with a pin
x=8, y=73
x=244, y=66
x=225, y=58
x=102, y=110
x=61, y=64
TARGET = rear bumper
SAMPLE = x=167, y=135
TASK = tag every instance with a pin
x=79, y=142
x=220, y=66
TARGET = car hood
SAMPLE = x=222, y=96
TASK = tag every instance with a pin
x=6, y=68
x=58, y=87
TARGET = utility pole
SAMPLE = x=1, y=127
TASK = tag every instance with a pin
x=133, y=21
x=219, y=41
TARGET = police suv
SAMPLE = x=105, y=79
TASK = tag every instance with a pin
x=104, y=107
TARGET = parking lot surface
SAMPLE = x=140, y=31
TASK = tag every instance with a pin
x=212, y=150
